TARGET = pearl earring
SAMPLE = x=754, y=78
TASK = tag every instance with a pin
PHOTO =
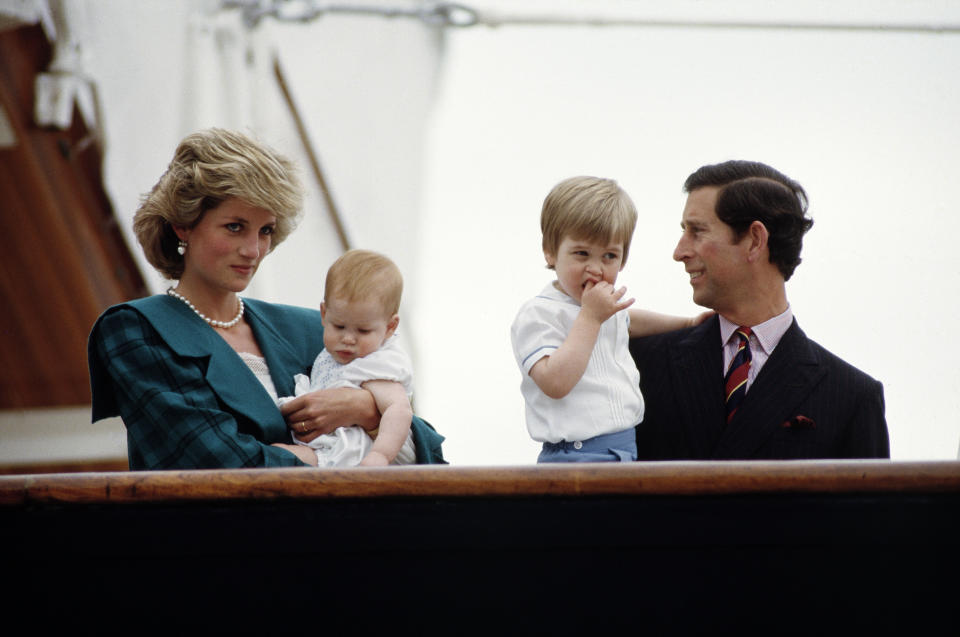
x=181, y=247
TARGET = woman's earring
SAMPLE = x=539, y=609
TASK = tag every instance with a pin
x=181, y=247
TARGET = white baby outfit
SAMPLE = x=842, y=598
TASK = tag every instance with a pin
x=346, y=446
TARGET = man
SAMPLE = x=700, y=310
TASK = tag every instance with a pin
x=748, y=383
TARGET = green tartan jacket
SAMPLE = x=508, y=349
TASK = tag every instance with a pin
x=186, y=398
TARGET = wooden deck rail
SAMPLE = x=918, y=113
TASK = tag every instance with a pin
x=665, y=478
x=663, y=548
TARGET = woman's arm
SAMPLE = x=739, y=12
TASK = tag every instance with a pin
x=173, y=418
x=306, y=454
x=392, y=400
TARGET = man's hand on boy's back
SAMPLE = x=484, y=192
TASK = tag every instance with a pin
x=601, y=300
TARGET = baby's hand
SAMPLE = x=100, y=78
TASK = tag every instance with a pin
x=601, y=300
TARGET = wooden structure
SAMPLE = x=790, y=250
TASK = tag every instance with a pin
x=66, y=260
x=671, y=548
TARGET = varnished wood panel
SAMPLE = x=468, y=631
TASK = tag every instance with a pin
x=845, y=548
x=64, y=259
x=627, y=479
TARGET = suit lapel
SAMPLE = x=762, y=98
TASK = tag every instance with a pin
x=282, y=358
x=696, y=363
x=226, y=374
x=786, y=379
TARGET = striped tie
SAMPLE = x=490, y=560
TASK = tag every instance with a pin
x=735, y=383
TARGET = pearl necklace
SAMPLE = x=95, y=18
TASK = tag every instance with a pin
x=213, y=323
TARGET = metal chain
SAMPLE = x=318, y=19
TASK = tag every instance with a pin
x=440, y=14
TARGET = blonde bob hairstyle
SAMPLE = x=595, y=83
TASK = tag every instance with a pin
x=360, y=275
x=209, y=167
x=587, y=208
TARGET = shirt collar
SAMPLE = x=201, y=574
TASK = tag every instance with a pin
x=553, y=292
x=768, y=333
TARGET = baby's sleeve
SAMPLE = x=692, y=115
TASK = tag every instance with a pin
x=536, y=332
x=389, y=362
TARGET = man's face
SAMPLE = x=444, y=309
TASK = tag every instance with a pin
x=714, y=259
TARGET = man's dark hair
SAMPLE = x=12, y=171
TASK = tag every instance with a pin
x=751, y=191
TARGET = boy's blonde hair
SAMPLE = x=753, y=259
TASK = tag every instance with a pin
x=588, y=208
x=360, y=275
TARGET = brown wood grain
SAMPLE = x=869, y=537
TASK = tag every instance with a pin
x=69, y=260
x=665, y=478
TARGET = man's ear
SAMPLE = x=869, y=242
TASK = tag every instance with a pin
x=392, y=326
x=759, y=238
x=323, y=310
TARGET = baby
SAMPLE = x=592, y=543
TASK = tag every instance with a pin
x=580, y=385
x=359, y=314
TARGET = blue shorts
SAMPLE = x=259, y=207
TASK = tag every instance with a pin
x=616, y=447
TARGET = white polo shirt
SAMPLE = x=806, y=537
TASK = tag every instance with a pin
x=606, y=400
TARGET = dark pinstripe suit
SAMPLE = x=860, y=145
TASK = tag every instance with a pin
x=805, y=403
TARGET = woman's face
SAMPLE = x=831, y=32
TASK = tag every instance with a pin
x=225, y=248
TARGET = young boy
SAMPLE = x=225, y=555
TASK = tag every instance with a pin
x=359, y=313
x=580, y=385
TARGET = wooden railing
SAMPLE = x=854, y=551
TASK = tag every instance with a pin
x=662, y=548
x=665, y=478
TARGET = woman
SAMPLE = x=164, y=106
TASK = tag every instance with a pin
x=188, y=370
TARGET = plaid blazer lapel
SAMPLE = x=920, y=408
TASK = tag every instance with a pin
x=283, y=358
x=230, y=379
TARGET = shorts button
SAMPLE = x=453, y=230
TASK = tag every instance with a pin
x=578, y=445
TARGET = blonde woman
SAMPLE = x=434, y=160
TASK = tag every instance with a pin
x=191, y=371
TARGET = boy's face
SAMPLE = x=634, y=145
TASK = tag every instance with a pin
x=582, y=261
x=354, y=329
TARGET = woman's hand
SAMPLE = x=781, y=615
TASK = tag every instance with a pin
x=306, y=454
x=324, y=410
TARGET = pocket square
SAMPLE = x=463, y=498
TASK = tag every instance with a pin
x=799, y=422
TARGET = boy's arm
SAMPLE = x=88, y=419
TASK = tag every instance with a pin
x=645, y=322
x=393, y=403
x=558, y=373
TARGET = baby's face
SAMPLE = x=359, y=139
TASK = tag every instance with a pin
x=353, y=329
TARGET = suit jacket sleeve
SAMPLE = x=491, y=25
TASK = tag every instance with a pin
x=867, y=435
x=173, y=417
